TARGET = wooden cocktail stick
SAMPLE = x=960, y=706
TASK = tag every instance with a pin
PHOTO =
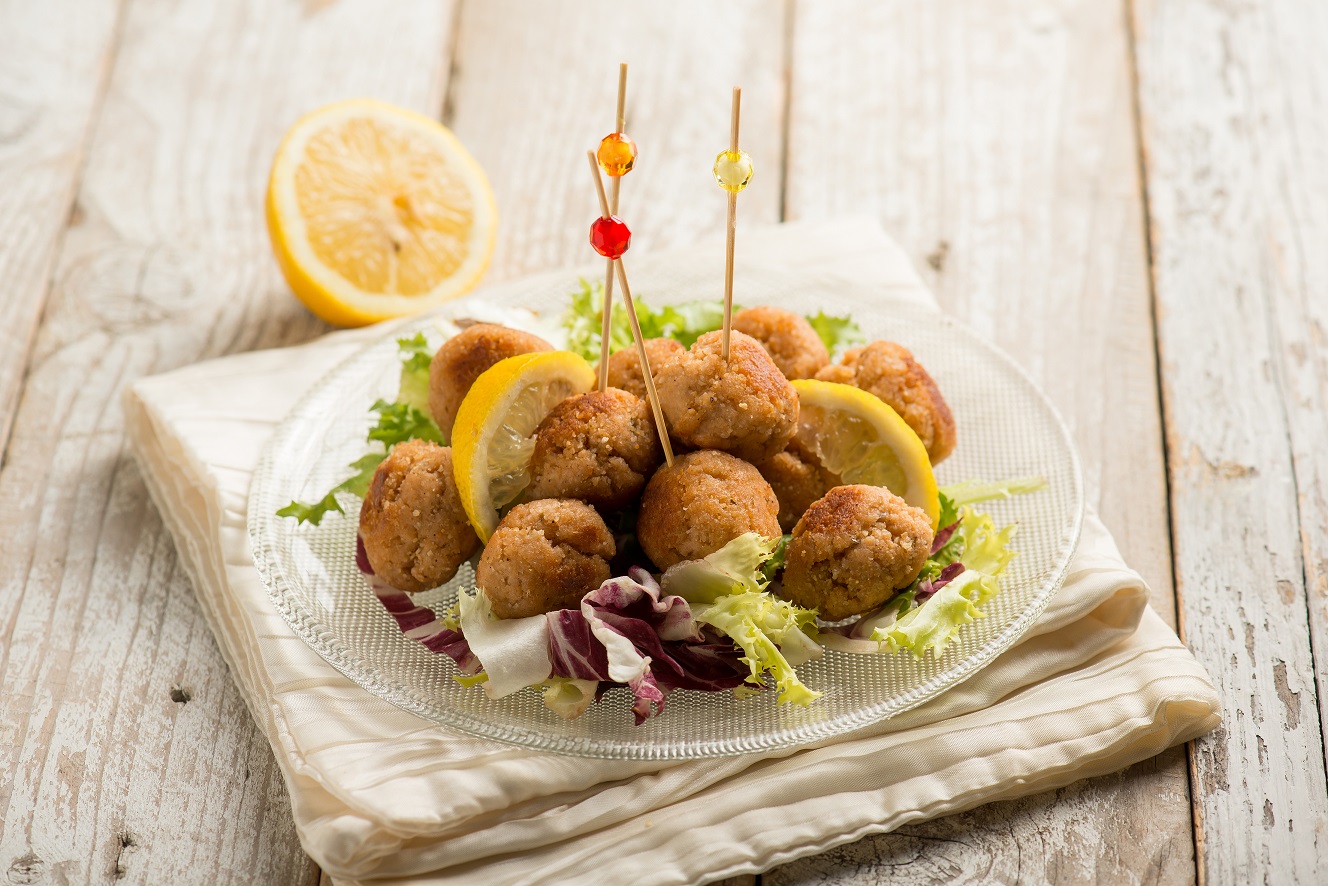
x=651, y=394
x=732, y=226
x=615, y=182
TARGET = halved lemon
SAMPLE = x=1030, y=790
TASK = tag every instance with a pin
x=863, y=440
x=491, y=439
x=377, y=212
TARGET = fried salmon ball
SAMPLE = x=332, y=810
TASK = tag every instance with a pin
x=798, y=478
x=707, y=499
x=744, y=406
x=889, y=371
x=625, y=365
x=853, y=549
x=544, y=556
x=464, y=357
x=598, y=447
x=414, y=530
x=789, y=339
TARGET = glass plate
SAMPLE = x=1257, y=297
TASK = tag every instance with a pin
x=1006, y=428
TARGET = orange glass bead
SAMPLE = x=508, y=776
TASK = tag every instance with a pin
x=616, y=154
x=733, y=170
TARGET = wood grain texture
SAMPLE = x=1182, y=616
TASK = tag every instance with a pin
x=125, y=749
x=996, y=141
x=535, y=87
x=1233, y=100
x=54, y=59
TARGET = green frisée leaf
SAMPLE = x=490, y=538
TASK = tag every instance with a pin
x=931, y=627
x=685, y=322
x=838, y=333
x=357, y=484
x=406, y=418
x=728, y=589
x=582, y=321
x=771, y=633
x=970, y=492
x=398, y=422
x=415, y=358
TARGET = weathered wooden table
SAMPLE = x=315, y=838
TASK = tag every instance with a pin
x=1132, y=198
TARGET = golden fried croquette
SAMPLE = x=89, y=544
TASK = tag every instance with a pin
x=544, y=556
x=598, y=447
x=707, y=499
x=853, y=549
x=625, y=364
x=464, y=357
x=744, y=406
x=414, y=530
x=789, y=339
x=890, y=371
x=798, y=478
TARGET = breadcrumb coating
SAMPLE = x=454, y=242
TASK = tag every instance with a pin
x=798, y=478
x=625, y=364
x=744, y=406
x=789, y=339
x=414, y=529
x=598, y=447
x=890, y=371
x=464, y=357
x=707, y=499
x=544, y=556
x=853, y=549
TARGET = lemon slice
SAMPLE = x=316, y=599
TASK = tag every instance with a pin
x=863, y=440
x=491, y=440
x=377, y=212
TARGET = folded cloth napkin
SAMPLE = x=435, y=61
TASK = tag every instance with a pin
x=1100, y=681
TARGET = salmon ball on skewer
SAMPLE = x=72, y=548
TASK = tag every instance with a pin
x=413, y=527
x=853, y=549
x=744, y=406
x=544, y=556
x=464, y=357
x=701, y=503
x=890, y=371
x=798, y=478
x=625, y=364
x=789, y=339
x=599, y=447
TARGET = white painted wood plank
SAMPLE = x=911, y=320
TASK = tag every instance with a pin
x=107, y=769
x=996, y=141
x=535, y=87
x=53, y=62
x=1233, y=101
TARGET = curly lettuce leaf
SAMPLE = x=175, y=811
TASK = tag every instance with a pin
x=416, y=355
x=771, y=633
x=930, y=628
x=406, y=418
x=933, y=623
x=970, y=492
x=584, y=315
x=733, y=569
x=357, y=485
x=838, y=333
x=685, y=322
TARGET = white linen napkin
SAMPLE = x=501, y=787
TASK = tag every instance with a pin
x=1099, y=683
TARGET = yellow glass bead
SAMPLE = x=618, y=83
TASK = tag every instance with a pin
x=733, y=170
x=616, y=154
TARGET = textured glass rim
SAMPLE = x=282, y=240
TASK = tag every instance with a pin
x=335, y=651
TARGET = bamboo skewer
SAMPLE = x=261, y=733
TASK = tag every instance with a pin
x=651, y=393
x=732, y=226
x=615, y=182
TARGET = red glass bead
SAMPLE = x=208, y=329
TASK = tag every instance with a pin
x=610, y=236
